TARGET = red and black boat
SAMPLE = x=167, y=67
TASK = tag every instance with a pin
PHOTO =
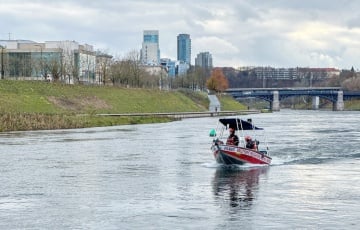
x=244, y=152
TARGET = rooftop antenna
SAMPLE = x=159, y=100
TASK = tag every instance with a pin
x=9, y=36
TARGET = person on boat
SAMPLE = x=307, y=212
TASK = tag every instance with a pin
x=250, y=144
x=233, y=139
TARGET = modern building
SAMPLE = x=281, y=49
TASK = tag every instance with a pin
x=293, y=73
x=24, y=59
x=169, y=65
x=181, y=68
x=66, y=61
x=150, y=52
x=184, y=48
x=204, y=60
x=275, y=73
x=317, y=73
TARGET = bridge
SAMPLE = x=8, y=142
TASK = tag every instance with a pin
x=274, y=95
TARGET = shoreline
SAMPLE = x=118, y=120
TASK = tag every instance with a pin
x=11, y=122
x=180, y=115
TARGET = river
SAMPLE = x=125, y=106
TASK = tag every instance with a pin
x=163, y=176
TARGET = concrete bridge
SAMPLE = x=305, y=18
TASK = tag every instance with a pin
x=274, y=95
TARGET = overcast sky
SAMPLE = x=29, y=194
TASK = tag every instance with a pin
x=278, y=33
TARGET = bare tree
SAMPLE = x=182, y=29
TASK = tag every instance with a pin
x=120, y=72
x=352, y=83
x=103, y=62
x=127, y=71
x=133, y=59
x=55, y=68
x=194, y=79
x=69, y=62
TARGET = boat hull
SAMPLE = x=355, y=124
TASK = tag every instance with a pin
x=226, y=154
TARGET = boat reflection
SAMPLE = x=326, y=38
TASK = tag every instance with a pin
x=237, y=186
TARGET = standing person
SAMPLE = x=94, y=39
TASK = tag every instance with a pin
x=233, y=139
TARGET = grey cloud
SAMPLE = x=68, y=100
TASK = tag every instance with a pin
x=255, y=32
x=354, y=22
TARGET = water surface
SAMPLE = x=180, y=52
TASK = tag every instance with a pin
x=163, y=176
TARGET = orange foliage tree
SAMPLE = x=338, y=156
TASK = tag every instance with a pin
x=217, y=81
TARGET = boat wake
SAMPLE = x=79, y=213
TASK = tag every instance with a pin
x=287, y=160
x=233, y=166
x=300, y=160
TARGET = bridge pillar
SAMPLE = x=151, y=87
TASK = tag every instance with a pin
x=275, y=106
x=339, y=105
x=315, y=103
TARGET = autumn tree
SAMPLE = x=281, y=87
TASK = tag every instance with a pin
x=217, y=81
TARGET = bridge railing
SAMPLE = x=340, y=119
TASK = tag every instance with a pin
x=280, y=89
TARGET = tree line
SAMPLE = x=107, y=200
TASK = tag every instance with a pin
x=127, y=71
x=347, y=79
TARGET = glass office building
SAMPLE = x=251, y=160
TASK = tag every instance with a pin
x=184, y=48
x=204, y=60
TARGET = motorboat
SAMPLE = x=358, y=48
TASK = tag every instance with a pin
x=249, y=149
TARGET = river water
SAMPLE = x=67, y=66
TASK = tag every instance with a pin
x=163, y=176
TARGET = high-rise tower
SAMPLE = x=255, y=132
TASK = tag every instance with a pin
x=150, y=52
x=184, y=48
x=204, y=60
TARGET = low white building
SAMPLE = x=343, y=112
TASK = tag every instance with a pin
x=66, y=61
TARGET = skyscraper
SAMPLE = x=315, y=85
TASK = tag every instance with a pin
x=150, y=52
x=184, y=48
x=204, y=60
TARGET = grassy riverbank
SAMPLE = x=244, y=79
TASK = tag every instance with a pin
x=30, y=105
x=352, y=105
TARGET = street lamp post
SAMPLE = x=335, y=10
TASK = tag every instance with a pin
x=2, y=61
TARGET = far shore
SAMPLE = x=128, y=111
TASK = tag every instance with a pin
x=38, y=121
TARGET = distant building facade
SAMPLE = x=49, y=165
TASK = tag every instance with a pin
x=184, y=48
x=150, y=52
x=318, y=73
x=66, y=61
x=182, y=68
x=292, y=73
x=169, y=65
x=204, y=60
x=28, y=60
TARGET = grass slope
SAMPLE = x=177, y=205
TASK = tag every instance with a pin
x=33, y=105
x=352, y=105
x=229, y=104
x=49, y=98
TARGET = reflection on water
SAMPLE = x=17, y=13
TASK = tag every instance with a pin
x=237, y=186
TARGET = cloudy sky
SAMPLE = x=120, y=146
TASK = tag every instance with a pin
x=278, y=33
